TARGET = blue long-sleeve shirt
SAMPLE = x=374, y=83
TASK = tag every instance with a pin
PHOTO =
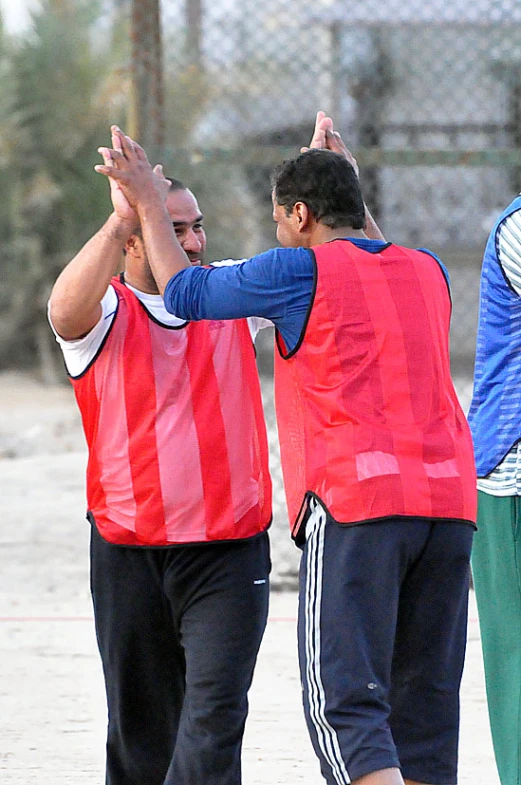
x=277, y=285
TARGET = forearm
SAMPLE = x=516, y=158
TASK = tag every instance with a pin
x=164, y=253
x=371, y=227
x=76, y=295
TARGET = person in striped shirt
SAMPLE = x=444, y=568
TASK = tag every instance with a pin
x=179, y=502
x=495, y=421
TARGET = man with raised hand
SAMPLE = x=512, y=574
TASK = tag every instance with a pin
x=179, y=498
x=376, y=454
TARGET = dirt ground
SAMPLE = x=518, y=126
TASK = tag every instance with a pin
x=52, y=717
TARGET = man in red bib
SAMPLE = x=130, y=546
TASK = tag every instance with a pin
x=376, y=454
x=179, y=498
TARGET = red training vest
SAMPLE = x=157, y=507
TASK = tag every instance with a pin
x=175, y=430
x=368, y=417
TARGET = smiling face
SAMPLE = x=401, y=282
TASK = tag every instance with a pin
x=187, y=221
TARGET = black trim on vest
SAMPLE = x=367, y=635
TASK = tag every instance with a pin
x=384, y=247
x=373, y=253
x=447, y=284
x=496, y=247
x=151, y=316
x=298, y=531
x=100, y=348
x=278, y=336
x=195, y=544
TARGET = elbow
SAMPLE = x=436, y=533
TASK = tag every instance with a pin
x=68, y=321
x=59, y=313
x=168, y=305
x=61, y=318
x=171, y=299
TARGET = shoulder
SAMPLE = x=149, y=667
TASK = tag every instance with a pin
x=437, y=259
x=277, y=266
x=78, y=354
x=294, y=260
x=508, y=247
x=289, y=255
x=509, y=230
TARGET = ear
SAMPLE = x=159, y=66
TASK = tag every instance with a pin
x=134, y=245
x=302, y=216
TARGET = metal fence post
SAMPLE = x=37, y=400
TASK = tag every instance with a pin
x=147, y=105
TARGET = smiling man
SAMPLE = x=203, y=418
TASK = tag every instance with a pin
x=376, y=454
x=179, y=501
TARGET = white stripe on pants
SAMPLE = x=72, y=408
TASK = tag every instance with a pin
x=313, y=686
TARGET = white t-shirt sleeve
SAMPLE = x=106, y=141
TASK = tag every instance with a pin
x=509, y=249
x=255, y=323
x=78, y=354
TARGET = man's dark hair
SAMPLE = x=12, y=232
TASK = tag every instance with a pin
x=177, y=185
x=326, y=182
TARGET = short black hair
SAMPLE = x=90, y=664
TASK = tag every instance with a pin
x=326, y=182
x=177, y=185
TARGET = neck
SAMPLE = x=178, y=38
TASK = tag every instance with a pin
x=324, y=234
x=141, y=279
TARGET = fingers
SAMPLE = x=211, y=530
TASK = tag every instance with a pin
x=106, y=154
x=125, y=145
x=115, y=139
x=322, y=124
x=112, y=159
x=318, y=139
x=323, y=128
x=158, y=171
x=326, y=124
x=114, y=174
x=325, y=137
x=121, y=142
x=126, y=164
x=139, y=150
x=335, y=143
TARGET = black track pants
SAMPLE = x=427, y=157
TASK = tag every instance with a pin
x=178, y=631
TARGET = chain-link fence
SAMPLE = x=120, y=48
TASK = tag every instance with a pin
x=427, y=95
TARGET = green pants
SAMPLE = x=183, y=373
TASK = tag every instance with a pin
x=496, y=568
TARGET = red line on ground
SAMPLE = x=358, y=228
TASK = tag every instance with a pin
x=45, y=618
x=13, y=619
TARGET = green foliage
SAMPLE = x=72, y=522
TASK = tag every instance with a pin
x=61, y=86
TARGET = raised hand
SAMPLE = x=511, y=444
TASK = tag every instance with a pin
x=135, y=181
x=318, y=140
x=335, y=143
x=326, y=138
x=119, y=201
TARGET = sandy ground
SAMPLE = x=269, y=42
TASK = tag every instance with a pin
x=52, y=716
